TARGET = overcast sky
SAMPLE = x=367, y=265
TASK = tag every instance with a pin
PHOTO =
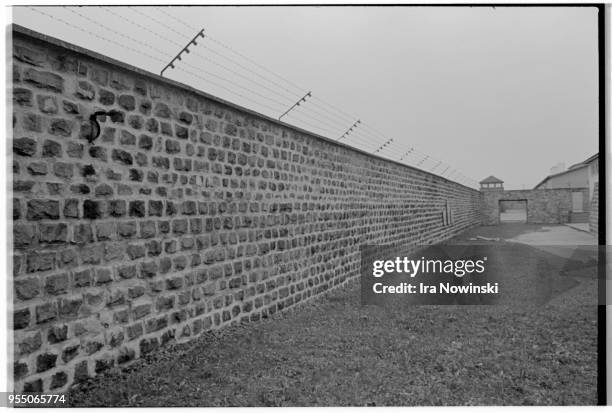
x=508, y=92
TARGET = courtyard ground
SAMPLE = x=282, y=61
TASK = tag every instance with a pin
x=333, y=351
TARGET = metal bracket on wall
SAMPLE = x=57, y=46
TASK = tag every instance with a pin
x=95, y=126
x=349, y=130
x=408, y=152
x=183, y=50
x=383, y=146
x=303, y=99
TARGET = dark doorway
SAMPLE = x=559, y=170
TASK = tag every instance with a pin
x=513, y=211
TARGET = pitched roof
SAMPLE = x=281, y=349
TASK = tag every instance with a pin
x=572, y=168
x=491, y=180
x=585, y=162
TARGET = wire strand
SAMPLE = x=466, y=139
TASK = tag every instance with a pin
x=141, y=26
x=165, y=54
x=304, y=108
x=291, y=121
x=313, y=110
x=202, y=58
x=179, y=21
x=332, y=107
x=232, y=82
x=95, y=35
x=157, y=21
x=299, y=89
x=307, y=106
x=227, y=89
x=289, y=99
x=301, y=113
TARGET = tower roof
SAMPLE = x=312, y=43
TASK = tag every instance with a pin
x=491, y=180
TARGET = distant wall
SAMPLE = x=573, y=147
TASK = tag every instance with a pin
x=544, y=206
x=186, y=214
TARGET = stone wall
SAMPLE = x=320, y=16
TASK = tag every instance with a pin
x=544, y=206
x=594, y=211
x=186, y=214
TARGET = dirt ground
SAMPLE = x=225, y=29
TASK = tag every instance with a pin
x=333, y=351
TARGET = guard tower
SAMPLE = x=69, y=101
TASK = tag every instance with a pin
x=491, y=184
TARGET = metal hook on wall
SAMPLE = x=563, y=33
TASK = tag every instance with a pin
x=95, y=126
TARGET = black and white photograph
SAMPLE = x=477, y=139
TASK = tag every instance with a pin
x=315, y=205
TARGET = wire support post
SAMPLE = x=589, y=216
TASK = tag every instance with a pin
x=407, y=153
x=183, y=50
x=349, y=130
x=423, y=160
x=296, y=104
x=436, y=166
x=383, y=146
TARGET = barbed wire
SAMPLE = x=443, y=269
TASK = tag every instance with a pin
x=292, y=119
x=295, y=113
x=331, y=121
x=226, y=88
x=132, y=22
x=58, y=19
x=328, y=117
x=299, y=89
x=289, y=99
x=359, y=139
x=163, y=53
x=155, y=20
x=281, y=104
x=204, y=46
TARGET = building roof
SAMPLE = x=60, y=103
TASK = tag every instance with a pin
x=585, y=162
x=491, y=180
x=572, y=168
